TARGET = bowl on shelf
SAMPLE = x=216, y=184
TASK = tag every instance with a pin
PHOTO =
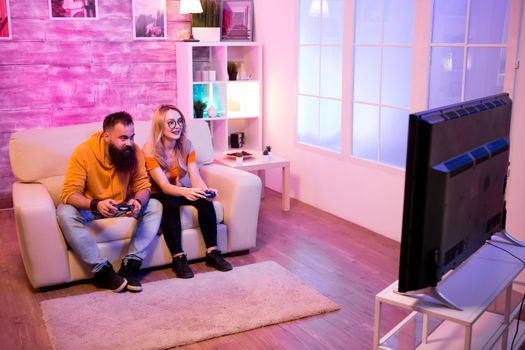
x=238, y=154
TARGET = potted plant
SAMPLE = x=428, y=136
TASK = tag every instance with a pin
x=232, y=70
x=267, y=152
x=199, y=107
x=206, y=25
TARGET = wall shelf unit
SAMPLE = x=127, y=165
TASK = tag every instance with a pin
x=202, y=74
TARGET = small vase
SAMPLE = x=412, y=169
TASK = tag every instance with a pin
x=199, y=113
x=212, y=112
x=232, y=75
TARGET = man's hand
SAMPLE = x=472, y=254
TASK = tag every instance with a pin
x=107, y=207
x=136, y=207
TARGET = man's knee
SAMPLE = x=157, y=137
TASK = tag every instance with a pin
x=154, y=206
x=65, y=211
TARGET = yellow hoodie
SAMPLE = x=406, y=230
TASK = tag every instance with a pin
x=92, y=175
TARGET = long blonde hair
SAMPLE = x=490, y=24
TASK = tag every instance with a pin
x=182, y=146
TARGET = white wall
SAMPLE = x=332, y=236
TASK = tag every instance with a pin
x=365, y=193
x=516, y=185
x=362, y=192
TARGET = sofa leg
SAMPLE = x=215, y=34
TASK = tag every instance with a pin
x=240, y=252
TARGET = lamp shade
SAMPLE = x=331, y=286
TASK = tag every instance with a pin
x=190, y=6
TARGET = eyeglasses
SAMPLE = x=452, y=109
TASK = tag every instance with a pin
x=172, y=124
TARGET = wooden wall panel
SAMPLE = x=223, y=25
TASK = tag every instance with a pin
x=15, y=120
x=29, y=9
x=115, y=9
x=87, y=30
x=6, y=178
x=45, y=52
x=126, y=94
x=28, y=29
x=138, y=72
x=63, y=72
x=22, y=75
x=77, y=115
x=133, y=52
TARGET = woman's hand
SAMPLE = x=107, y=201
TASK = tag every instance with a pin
x=193, y=193
x=213, y=190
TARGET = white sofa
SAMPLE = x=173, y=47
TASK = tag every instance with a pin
x=39, y=159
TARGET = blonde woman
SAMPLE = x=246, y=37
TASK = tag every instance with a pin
x=171, y=164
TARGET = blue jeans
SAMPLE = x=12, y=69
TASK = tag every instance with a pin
x=73, y=224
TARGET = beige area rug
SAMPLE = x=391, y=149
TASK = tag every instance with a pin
x=175, y=312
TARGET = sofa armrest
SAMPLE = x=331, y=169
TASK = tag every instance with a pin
x=240, y=195
x=42, y=245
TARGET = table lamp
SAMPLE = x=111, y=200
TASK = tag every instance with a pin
x=190, y=6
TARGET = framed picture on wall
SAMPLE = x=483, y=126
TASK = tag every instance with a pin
x=5, y=20
x=73, y=9
x=149, y=19
x=237, y=20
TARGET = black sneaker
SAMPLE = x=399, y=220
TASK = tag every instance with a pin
x=214, y=259
x=128, y=270
x=107, y=278
x=181, y=268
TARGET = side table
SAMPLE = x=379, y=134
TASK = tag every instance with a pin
x=260, y=164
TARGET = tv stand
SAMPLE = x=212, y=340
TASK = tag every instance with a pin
x=434, y=293
x=473, y=286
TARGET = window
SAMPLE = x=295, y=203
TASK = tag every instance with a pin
x=382, y=79
x=320, y=78
x=468, y=50
x=458, y=51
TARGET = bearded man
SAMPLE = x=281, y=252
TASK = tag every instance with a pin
x=104, y=173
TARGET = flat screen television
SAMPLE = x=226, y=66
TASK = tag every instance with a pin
x=456, y=171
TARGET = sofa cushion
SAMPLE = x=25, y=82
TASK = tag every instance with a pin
x=36, y=155
x=53, y=185
x=199, y=134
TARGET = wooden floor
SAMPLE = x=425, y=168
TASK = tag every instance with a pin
x=343, y=261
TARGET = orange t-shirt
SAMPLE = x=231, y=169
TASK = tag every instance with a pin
x=171, y=173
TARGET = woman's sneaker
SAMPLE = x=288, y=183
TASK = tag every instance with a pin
x=181, y=268
x=214, y=259
x=107, y=278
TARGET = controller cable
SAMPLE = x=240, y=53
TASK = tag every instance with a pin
x=522, y=299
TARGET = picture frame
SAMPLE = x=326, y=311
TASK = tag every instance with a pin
x=73, y=9
x=5, y=21
x=149, y=19
x=237, y=20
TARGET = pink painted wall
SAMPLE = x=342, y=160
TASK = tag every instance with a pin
x=61, y=72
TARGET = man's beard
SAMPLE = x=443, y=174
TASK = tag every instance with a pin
x=123, y=159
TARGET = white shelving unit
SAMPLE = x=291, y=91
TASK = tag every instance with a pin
x=202, y=75
x=473, y=286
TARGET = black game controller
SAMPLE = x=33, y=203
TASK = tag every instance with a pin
x=124, y=207
x=209, y=194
